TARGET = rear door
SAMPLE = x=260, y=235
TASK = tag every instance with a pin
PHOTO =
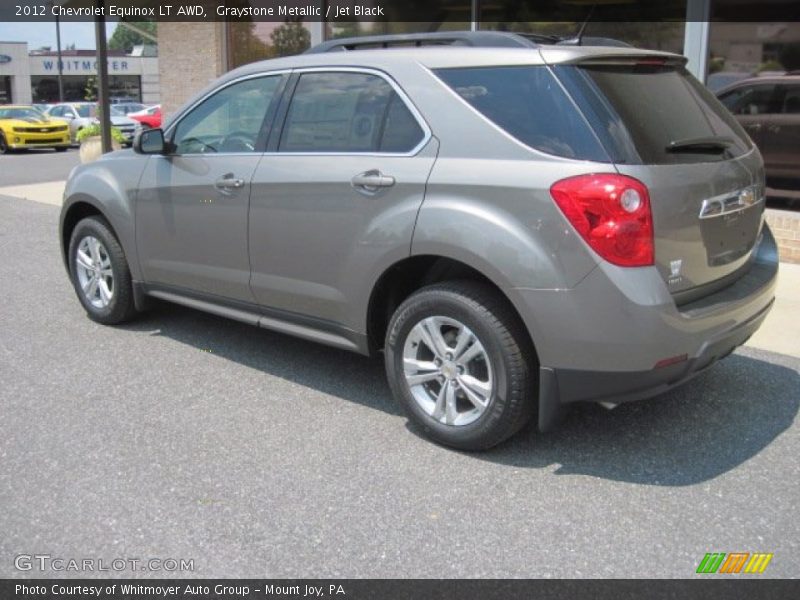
x=704, y=177
x=338, y=194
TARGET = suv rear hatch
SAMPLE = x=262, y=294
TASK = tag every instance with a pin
x=703, y=174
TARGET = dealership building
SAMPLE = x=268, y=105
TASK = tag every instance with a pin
x=696, y=28
x=32, y=76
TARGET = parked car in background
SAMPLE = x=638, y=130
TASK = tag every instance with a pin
x=42, y=107
x=514, y=230
x=769, y=109
x=149, y=117
x=129, y=107
x=722, y=79
x=81, y=114
x=23, y=126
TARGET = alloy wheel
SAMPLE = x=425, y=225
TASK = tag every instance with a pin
x=95, y=273
x=448, y=371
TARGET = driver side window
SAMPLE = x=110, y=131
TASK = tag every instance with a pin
x=228, y=121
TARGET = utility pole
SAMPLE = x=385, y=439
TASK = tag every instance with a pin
x=60, y=62
x=102, y=74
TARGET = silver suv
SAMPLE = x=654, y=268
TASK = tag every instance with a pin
x=514, y=228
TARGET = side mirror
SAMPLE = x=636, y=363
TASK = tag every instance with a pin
x=149, y=141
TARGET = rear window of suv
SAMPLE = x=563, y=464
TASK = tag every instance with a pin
x=639, y=110
x=529, y=104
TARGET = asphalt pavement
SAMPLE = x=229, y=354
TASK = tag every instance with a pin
x=187, y=436
x=36, y=166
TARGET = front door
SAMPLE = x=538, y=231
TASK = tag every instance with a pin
x=192, y=205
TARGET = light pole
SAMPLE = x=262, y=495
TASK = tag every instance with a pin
x=60, y=63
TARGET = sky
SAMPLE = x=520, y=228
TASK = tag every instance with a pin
x=44, y=34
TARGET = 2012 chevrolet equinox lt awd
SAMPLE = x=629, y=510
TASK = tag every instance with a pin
x=516, y=228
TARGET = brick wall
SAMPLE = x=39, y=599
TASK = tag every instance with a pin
x=785, y=225
x=190, y=56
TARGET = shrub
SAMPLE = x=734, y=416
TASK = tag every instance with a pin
x=94, y=129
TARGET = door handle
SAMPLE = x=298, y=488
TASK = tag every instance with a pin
x=228, y=182
x=371, y=181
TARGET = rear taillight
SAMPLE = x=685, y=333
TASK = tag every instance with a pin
x=612, y=213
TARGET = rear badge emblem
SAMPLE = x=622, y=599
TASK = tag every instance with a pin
x=675, y=271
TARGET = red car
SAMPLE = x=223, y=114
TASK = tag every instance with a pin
x=149, y=117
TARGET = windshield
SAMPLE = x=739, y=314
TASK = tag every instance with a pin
x=20, y=113
x=86, y=110
x=649, y=114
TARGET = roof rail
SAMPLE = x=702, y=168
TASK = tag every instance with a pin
x=477, y=39
x=482, y=39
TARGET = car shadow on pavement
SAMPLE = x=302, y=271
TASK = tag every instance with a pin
x=699, y=431
x=691, y=434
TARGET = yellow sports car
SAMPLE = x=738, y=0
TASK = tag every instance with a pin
x=26, y=127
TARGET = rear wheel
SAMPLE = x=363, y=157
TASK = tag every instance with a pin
x=460, y=364
x=100, y=273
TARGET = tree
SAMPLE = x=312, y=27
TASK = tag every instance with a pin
x=290, y=38
x=125, y=39
x=90, y=91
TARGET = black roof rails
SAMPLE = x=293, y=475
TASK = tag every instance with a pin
x=476, y=39
x=481, y=39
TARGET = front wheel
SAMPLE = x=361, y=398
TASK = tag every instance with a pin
x=461, y=365
x=100, y=273
x=4, y=149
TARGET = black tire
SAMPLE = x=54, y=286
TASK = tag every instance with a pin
x=61, y=148
x=121, y=307
x=4, y=149
x=513, y=362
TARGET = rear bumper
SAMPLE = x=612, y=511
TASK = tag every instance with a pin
x=619, y=330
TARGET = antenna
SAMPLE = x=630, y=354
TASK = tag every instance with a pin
x=576, y=40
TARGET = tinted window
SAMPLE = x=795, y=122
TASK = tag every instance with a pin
x=751, y=100
x=638, y=110
x=86, y=110
x=529, y=104
x=57, y=111
x=348, y=112
x=229, y=121
x=791, y=101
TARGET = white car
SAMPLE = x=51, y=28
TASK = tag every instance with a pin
x=83, y=114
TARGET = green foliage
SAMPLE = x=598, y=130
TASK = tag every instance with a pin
x=94, y=130
x=125, y=39
x=290, y=38
x=716, y=64
x=90, y=91
x=770, y=65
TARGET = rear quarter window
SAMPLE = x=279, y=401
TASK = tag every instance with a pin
x=529, y=104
